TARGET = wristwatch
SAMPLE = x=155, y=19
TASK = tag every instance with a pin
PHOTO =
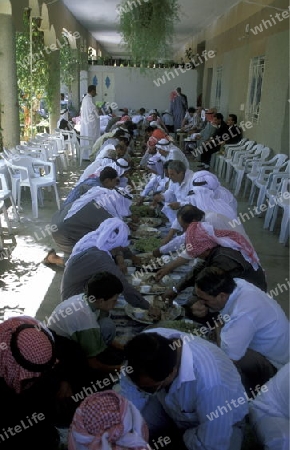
x=175, y=290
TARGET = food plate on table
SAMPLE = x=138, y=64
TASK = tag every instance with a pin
x=151, y=221
x=146, y=245
x=144, y=231
x=141, y=315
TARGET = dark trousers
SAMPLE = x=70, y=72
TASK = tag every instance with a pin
x=255, y=370
x=208, y=149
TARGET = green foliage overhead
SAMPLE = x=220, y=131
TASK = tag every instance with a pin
x=32, y=73
x=68, y=62
x=147, y=28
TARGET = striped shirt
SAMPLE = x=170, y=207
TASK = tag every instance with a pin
x=203, y=398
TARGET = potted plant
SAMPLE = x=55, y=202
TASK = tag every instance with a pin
x=148, y=30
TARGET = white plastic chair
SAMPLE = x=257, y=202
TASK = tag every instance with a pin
x=5, y=194
x=69, y=143
x=272, y=194
x=265, y=187
x=221, y=165
x=259, y=177
x=247, y=164
x=234, y=154
x=25, y=166
x=282, y=201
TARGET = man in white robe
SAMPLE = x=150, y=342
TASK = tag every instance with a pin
x=90, y=120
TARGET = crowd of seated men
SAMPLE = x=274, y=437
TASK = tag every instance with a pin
x=164, y=388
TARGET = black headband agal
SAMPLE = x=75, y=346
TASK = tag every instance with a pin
x=21, y=360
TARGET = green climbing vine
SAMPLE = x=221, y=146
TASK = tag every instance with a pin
x=32, y=73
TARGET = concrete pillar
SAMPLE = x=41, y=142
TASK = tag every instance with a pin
x=8, y=83
x=54, y=83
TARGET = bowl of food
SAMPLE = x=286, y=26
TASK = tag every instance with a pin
x=136, y=281
x=138, y=313
x=175, y=277
x=145, y=289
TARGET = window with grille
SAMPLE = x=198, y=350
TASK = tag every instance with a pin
x=218, y=89
x=256, y=75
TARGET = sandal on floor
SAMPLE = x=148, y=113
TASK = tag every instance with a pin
x=46, y=261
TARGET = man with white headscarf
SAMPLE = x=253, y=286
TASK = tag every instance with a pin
x=91, y=169
x=177, y=191
x=169, y=152
x=95, y=252
x=119, y=149
x=86, y=214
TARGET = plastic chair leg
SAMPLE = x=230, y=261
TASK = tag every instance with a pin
x=57, y=197
x=252, y=194
x=5, y=213
x=239, y=179
x=274, y=218
x=261, y=197
x=34, y=201
x=284, y=232
x=14, y=208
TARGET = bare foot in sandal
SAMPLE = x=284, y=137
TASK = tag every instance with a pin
x=52, y=258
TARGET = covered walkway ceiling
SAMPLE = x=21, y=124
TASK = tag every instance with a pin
x=101, y=19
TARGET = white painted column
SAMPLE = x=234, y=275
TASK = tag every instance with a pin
x=8, y=83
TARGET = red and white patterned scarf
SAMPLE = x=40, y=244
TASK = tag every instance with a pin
x=107, y=421
x=201, y=236
x=35, y=346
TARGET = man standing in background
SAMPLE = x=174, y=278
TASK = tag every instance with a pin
x=90, y=120
x=178, y=107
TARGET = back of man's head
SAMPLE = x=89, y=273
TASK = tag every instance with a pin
x=213, y=281
x=190, y=213
x=108, y=172
x=150, y=354
x=191, y=110
x=91, y=88
x=219, y=116
x=103, y=285
x=234, y=118
x=177, y=165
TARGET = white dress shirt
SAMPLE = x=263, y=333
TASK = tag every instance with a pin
x=180, y=190
x=207, y=380
x=257, y=322
x=269, y=412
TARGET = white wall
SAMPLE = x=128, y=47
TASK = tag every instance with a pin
x=134, y=89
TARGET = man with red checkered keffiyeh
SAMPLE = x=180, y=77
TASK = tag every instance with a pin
x=34, y=382
x=226, y=249
x=107, y=421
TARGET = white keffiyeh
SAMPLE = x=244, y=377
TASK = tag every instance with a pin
x=112, y=233
x=111, y=200
x=211, y=180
